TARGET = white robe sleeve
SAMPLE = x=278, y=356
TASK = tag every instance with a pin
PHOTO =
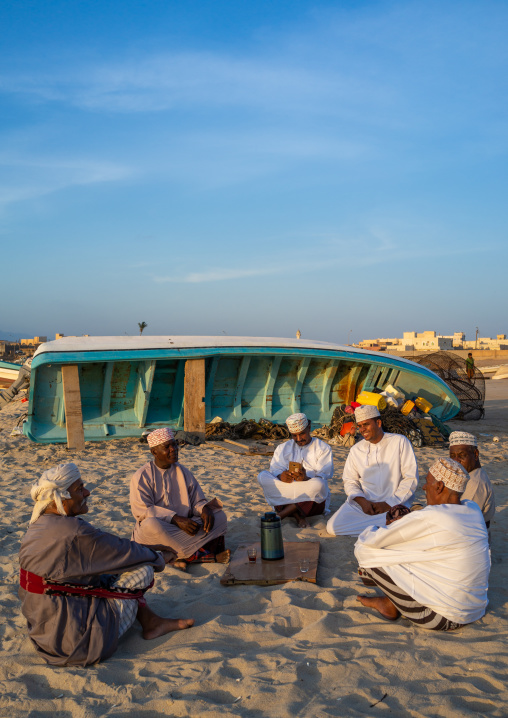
x=324, y=468
x=279, y=463
x=409, y=471
x=351, y=478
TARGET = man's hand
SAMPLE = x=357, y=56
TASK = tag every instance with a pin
x=208, y=518
x=366, y=506
x=188, y=525
x=301, y=475
x=380, y=507
x=287, y=477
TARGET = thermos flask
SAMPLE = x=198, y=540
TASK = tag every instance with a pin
x=272, y=547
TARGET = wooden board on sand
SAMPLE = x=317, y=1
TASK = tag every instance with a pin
x=267, y=573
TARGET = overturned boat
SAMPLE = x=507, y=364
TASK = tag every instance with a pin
x=120, y=386
x=8, y=373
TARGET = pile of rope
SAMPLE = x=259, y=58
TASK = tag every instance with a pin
x=418, y=430
x=396, y=423
x=452, y=369
x=246, y=429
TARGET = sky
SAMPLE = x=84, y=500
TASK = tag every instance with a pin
x=253, y=168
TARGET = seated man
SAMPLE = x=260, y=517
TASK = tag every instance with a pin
x=464, y=449
x=170, y=508
x=75, y=603
x=435, y=562
x=379, y=473
x=304, y=492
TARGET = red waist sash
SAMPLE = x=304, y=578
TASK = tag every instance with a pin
x=36, y=584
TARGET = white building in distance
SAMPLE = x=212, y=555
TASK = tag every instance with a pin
x=431, y=341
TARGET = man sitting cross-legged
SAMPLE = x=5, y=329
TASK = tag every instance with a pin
x=81, y=588
x=171, y=510
x=379, y=473
x=304, y=492
x=432, y=565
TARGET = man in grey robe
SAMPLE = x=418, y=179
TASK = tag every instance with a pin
x=171, y=510
x=82, y=588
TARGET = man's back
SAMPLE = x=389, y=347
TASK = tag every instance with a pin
x=72, y=629
x=439, y=556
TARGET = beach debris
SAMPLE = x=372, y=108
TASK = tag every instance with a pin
x=418, y=426
x=21, y=382
x=385, y=695
x=495, y=439
x=451, y=368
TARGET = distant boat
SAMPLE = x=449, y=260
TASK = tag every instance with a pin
x=8, y=373
x=501, y=373
x=128, y=384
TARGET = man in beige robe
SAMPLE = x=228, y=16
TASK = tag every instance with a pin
x=171, y=510
x=464, y=449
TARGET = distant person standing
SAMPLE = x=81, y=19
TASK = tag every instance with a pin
x=470, y=367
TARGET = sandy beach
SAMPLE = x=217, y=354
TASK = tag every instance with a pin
x=290, y=650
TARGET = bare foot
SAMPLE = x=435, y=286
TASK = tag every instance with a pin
x=300, y=521
x=223, y=556
x=155, y=626
x=179, y=564
x=166, y=625
x=382, y=604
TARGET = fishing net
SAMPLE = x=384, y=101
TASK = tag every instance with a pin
x=246, y=429
x=452, y=369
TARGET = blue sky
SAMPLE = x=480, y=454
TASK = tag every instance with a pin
x=254, y=168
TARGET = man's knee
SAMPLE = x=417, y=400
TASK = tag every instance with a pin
x=140, y=577
x=265, y=478
x=220, y=520
x=333, y=523
x=330, y=526
x=151, y=529
x=317, y=485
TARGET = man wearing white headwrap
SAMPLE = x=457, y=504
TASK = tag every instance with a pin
x=171, y=510
x=432, y=565
x=305, y=492
x=82, y=588
x=379, y=473
x=464, y=449
x=52, y=488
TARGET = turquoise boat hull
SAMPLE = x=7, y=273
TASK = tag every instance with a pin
x=129, y=384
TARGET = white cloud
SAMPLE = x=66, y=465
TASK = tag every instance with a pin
x=30, y=178
x=217, y=275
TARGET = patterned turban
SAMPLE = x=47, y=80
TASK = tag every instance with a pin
x=362, y=413
x=52, y=486
x=297, y=423
x=160, y=436
x=451, y=473
x=462, y=438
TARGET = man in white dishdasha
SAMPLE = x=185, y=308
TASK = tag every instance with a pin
x=380, y=472
x=303, y=492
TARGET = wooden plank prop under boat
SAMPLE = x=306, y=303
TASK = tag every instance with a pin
x=129, y=384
